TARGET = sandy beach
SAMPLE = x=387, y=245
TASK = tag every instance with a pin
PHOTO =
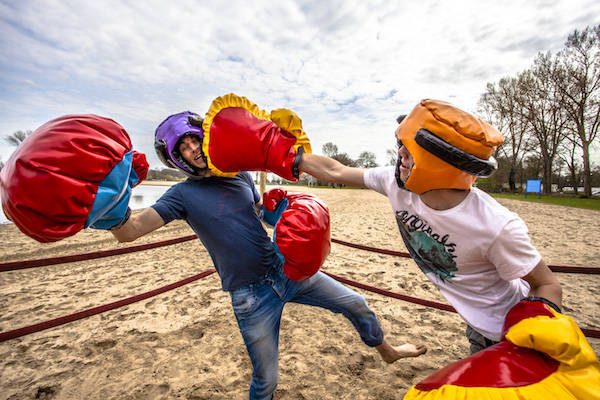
x=184, y=344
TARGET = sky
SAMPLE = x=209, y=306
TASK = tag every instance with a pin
x=346, y=67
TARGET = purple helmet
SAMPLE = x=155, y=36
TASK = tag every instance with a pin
x=167, y=136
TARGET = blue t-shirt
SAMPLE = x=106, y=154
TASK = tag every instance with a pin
x=221, y=212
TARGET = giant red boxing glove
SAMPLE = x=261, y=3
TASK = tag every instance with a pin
x=301, y=234
x=238, y=136
x=543, y=355
x=72, y=172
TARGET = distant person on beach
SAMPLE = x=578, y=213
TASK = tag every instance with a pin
x=475, y=251
x=224, y=213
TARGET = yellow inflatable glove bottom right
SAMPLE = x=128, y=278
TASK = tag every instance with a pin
x=543, y=355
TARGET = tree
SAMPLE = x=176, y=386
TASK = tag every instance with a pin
x=17, y=138
x=500, y=105
x=344, y=159
x=541, y=107
x=392, y=156
x=330, y=149
x=165, y=174
x=366, y=159
x=596, y=176
x=568, y=154
x=578, y=79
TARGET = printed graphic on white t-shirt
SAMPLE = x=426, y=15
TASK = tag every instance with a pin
x=432, y=251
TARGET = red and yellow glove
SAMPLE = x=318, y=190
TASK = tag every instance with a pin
x=238, y=136
x=73, y=172
x=543, y=355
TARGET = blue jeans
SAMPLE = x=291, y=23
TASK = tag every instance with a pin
x=258, y=309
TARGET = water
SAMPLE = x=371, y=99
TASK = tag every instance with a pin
x=142, y=196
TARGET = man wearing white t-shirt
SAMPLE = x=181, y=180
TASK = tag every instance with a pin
x=476, y=251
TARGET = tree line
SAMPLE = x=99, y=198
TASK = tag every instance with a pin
x=549, y=115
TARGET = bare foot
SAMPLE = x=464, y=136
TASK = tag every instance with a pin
x=389, y=353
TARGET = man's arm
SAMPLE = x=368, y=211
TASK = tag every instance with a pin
x=330, y=170
x=138, y=225
x=544, y=284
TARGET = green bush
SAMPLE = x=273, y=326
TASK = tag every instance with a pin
x=490, y=185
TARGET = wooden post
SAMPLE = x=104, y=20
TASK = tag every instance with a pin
x=263, y=182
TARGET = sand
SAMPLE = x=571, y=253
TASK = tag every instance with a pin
x=185, y=344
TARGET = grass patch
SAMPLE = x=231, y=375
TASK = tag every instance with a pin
x=559, y=200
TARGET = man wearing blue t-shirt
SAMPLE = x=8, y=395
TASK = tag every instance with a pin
x=223, y=213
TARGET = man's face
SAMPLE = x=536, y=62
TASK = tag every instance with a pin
x=405, y=158
x=189, y=148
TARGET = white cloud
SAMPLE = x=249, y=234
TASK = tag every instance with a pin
x=347, y=67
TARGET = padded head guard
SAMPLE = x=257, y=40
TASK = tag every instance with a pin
x=450, y=147
x=167, y=137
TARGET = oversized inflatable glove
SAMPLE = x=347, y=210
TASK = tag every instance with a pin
x=301, y=231
x=73, y=172
x=543, y=355
x=238, y=136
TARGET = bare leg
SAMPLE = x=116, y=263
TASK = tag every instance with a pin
x=389, y=353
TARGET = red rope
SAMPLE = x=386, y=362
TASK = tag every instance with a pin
x=97, y=310
x=427, y=303
x=434, y=304
x=15, y=265
x=41, y=262
x=575, y=270
x=373, y=249
x=555, y=268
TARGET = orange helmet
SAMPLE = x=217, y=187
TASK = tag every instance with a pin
x=450, y=147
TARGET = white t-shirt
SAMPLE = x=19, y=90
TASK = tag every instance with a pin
x=474, y=253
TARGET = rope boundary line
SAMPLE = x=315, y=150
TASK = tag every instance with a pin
x=26, y=330
x=16, y=265
x=555, y=268
x=428, y=303
x=42, y=262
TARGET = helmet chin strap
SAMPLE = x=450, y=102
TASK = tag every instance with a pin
x=398, y=174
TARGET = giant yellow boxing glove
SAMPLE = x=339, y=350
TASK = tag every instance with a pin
x=543, y=355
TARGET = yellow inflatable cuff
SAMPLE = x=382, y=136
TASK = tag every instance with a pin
x=221, y=102
x=290, y=122
x=554, y=336
x=555, y=386
x=577, y=376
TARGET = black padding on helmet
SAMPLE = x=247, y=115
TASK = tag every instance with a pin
x=161, y=151
x=454, y=156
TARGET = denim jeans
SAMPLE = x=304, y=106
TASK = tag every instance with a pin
x=258, y=309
